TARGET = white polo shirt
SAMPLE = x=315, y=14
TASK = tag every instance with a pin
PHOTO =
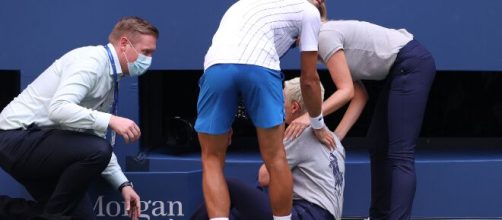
x=74, y=93
x=259, y=32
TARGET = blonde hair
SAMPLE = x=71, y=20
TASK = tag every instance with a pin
x=131, y=26
x=293, y=92
x=322, y=10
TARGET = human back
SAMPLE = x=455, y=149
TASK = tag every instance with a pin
x=259, y=32
x=370, y=49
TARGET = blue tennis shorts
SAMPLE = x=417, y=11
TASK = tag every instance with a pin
x=222, y=86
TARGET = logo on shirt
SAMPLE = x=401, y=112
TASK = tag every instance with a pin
x=337, y=174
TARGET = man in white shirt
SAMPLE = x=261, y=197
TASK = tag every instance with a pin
x=52, y=136
x=243, y=63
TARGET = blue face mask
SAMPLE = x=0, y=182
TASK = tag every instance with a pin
x=139, y=66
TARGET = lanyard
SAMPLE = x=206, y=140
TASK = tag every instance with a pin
x=115, y=82
x=115, y=91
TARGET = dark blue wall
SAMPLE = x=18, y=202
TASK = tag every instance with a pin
x=461, y=34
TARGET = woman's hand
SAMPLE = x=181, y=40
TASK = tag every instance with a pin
x=296, y=127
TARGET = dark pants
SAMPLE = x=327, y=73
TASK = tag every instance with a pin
x=56, y=167
x=394, y=132
x=250, y=203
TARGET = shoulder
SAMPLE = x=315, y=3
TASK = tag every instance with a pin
x=90, y=59
x=339, y=26
x=307, y=137
x=310, y=12
x=87, y=54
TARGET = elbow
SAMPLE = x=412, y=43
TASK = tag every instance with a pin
x=360, y=92
x=55, y=111
x=361, y=97
x=364, y=96
x=350, y=93
x=310, y=81
x=262, y=181
x=263, y=177
x=347, y=93
x=309, y=76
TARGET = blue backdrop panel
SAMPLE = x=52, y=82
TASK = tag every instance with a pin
x=454, y=185
x=164, y=195
x=461, y=183
x=10, y=187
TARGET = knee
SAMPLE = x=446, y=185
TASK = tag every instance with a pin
x=273, y=154
x=100, y=150
x=277, y=164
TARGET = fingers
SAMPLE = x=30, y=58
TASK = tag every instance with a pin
x=330, y=142
x=132, y=206
x=326, y=137
x=294, y=130
x=133, y=133
x=287, y=133
x=137, y=208
x=298, y=129
x=133, y=211
x=125, y=135
x=130, y=131
x=127, y=204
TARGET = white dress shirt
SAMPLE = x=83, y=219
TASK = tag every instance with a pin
x=259, y=32
x=74, y=93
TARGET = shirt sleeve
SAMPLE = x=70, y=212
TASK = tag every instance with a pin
x=77, y=80
x=329, y=43
x=311, y=24
x=113, y=173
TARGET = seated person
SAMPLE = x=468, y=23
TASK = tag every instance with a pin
x=318, y=174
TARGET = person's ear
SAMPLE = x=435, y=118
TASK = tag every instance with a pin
x=123, y=44
x=295, y=107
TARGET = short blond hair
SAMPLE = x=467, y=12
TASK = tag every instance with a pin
x=130, y=27
x=293, y=92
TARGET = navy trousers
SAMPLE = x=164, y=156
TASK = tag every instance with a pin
x=251, y=203
x=56, y=167
x=394, y=131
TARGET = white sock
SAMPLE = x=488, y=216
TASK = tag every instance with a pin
x=219, y=218
x=287, y=217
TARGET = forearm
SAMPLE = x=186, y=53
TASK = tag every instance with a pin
x=113, y=173
x=311, y=93
x=310, y=84
x=340, y=74
x=336, y=101
x=354, y=110
x=65, y=109
x=74, y=116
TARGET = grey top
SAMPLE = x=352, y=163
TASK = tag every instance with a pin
x=318, y=174
x=370, y=49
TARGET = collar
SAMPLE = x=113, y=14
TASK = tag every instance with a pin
x=116, y=60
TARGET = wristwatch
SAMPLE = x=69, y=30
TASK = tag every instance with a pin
x=127, y=183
